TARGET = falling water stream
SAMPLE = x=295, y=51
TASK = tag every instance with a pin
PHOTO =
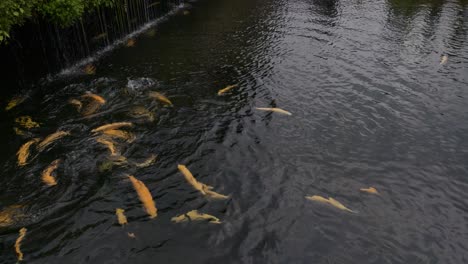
x=372, y=106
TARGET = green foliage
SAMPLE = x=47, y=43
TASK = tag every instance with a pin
x=61, y=12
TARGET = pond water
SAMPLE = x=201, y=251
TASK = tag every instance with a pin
x=378, y=94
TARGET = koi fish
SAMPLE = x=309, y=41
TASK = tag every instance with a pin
x=201, y=187
x=370, y=190
x=130, y=43
x=115, y=133
x=22, y=234
x=148, y=162
x=443, y=60
x=89, y=69
x=277, y=110
x=330, y=201
x=95, y=97
x=121, y=218
x=194, y=215
x=131, y=235
x=109, y=144
x=11, y=214
x=76, y=103
x=153, y=4
x=99, y=37
x=23, y=152
x=145, y=197
x=186, y=12
x=51, y=138
x=160, y=97
x=14, y=102
x=91, y=108
x=47, y=177
x=112, y=126
x=228, y=88
x=26, y=122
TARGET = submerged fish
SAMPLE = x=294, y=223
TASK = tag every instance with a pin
x=443, y=60
x=10, y=215
x=140, y=111
x=91, y=108
x=76, y=103
x=201, y=187
x=228, y=88
x=186, y=12
x=121, y=218
x=153, y=4
x=371, y=190
x=277, y=110
x=89, y=69
x=148, y=162
x=109, y=144
x=95, y=97
x=130, y=43
x=99, y=37
x=330, y=201
x=14, y=102
x=22, y=234
x=131, y=235
x=112, y=126
x=26, y=122
x=120, y=134
x=23, y=152
x=160, y=97
x=151, y=32
x=145, y=197
x=194, y=215
x=47, y=177
x=51, y=138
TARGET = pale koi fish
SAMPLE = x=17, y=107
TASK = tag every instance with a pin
x=99, y=37
x=23, y=152
x=194, y=215
x=51, y=138
x=121, y=218
x=109, y=144
x=228, y=88
x=95, y=97
x=443, y=60
x=160, y=97
x=201, y=187
x=89, y=69
x=277, y=110
x=76, y=103
x=148, y=162
x=115, y=133
x=145, y=197
x=14, y=102
x=131, y=235
x=47, y=177
x=330, y=201
x=370, y=190
x=112, y=126
x=22, y=234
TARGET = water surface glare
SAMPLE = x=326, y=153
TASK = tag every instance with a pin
x=372, y=106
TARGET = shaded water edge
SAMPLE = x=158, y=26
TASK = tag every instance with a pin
x=39, y=50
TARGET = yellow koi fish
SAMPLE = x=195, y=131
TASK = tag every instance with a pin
x=76, y=103
x=148, y=162
x=109, y=144
x=277, y=110
x=95, y=97
x=89, y=69
x=121, y=217
x=14, y=102
x=22, y=234
x=51, y=138
x=23, y=152
x=145, y=197
x=194, y=215
x=201, y=187
x=11, y=214
x=112, y=126
x=47, y=177
x=329, y=201
x=91, y=108
x=370, y=190
x=228, y=88
x=160, y=97
x=443, y=60
x=115, y=133
x=26, y=122
x=130, y=43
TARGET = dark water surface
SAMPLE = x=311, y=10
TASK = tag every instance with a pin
x=371, y=104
